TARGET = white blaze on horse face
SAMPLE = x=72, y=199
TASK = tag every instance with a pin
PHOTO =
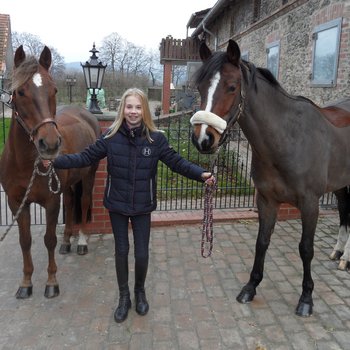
x=37, y=80
x=213, y=85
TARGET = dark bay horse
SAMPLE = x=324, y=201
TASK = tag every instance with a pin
x=299, y=151
x=38, y=131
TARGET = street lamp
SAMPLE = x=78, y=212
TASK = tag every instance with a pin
x=70, y=81
x=94, y=72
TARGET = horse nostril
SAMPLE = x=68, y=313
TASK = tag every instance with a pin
x=42, y=144
x=59, y=141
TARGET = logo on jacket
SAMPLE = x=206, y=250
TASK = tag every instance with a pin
x=146, y=151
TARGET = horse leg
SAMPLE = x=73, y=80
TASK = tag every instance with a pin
x=68, y=227
x=343, y=209
x=309, y=215
x=25, y=289
x=86, y=204
x=344, y=262
x=267, y=219
x=50, y=239
x=82, y=247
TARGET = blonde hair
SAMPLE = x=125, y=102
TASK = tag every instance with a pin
x=148, y=123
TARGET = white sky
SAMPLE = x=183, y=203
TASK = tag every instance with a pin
x=72, y=26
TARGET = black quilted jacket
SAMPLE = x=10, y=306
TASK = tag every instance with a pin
x=131, y=167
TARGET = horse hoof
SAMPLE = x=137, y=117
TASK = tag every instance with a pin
x=335, y=255
x=52, y=291
x=64, y=248
x=343, y=264
x=303, y=309
x=246, y=295
x=82, y=249
x=24, y=292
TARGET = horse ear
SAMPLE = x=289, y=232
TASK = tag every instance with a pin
x=20, y=56
x=204, y=51
x=45, y=58
x=233, y=52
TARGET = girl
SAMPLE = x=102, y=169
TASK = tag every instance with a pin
x=133, y=146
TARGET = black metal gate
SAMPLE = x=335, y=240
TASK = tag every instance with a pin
x=235, y=185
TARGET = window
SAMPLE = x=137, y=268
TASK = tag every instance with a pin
x=273, y=55
x=326, y=39
x=245, y=56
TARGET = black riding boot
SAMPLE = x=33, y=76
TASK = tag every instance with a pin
x=141, y=266
x=122, y=269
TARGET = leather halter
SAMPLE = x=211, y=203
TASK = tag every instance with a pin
x=32, y=132
x=6, y=98
x=234, y=115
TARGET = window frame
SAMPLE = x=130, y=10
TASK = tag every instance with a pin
x=268, y=48
x=336, y=23
x=245, y=55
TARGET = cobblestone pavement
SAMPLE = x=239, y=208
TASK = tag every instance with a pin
x=192, y=300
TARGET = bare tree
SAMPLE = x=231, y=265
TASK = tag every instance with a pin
x=154, y=67
x=111, y=47
x=33, y=46
x=178, y=74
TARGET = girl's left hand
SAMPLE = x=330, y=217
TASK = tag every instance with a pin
x=209, y=178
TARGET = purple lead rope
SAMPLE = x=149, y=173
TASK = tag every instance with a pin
x=207, y=231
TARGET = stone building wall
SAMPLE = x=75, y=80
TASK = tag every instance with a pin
x=290, y=23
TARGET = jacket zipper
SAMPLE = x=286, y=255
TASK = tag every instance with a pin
x=151, y=190
x=109, y=185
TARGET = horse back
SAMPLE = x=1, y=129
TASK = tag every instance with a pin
x=338, y=113
x=78, y=127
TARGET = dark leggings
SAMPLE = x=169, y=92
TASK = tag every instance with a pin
x=141, y=228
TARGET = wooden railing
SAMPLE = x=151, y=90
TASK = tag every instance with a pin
x=179, y=51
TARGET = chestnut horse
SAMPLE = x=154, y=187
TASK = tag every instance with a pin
x=38, y=132
x=299, y=150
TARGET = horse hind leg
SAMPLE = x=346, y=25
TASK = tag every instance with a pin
x=343, y=210
x=309, y=215
x=344, y=262
x=86, y=205
x=68, y=201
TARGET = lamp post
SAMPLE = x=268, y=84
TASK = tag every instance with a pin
x=70, y=81
x=93, y=73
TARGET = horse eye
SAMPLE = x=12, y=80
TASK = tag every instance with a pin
x=231, y=88
x=21, y=92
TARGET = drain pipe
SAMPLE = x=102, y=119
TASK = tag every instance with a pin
x=212, y=34
x=213, y=12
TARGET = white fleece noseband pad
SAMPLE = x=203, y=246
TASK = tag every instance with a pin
x=209, y=118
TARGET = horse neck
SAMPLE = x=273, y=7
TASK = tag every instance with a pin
x=262, y=121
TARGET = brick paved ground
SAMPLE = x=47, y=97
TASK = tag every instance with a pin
x=192, y=300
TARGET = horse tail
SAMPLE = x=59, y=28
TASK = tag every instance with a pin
x=77, y=208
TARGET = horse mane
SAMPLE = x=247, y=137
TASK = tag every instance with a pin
x=270, y=78
x=250, y=74
x=24, y=72
x=209, y=66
